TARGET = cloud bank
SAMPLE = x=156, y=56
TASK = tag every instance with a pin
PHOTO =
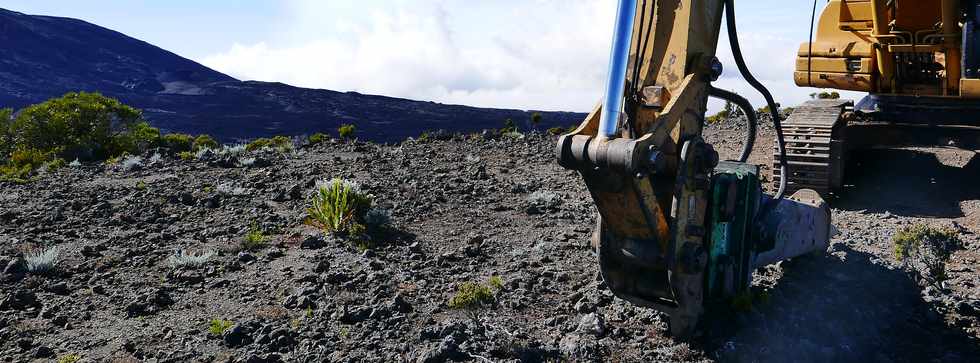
x=542, y=54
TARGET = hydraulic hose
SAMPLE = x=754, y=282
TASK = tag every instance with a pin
x=746, y=107
x=773, y=109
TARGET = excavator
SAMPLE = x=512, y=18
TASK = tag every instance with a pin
x=679, y=230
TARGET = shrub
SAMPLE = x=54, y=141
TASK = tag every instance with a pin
x=338, y=206
x=22, y=163
x=69, y=358
x=924, y=250
x=42, y=261
x=142, y=137
x=205, y=142
x=178, y=143
x=826, y=95
x=182, y=259
x=536, y=118
x=6, y=139
x=346, y=131
x=78, y=125
x=509, y=126
x=186, y=155
x=255, y=239
x=317, y=138
x=130, y=163
x=722, y=115
x=218, y=327
x=556, y=130
x=280, y=143
x=471, y=295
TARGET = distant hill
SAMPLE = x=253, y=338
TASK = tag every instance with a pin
x=43, y=57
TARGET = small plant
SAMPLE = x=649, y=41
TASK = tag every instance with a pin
x=140, y=185
x=69, y=358
x=496, y=282
x=131, y=163
x=556, y=130
x=246, y=162
x=346, y=131
x=924, y=250
x=186, y=155
x=75, y=164
x=155, y=158
x=218, y=327
x=205, y=142
x=183, y=259
x=471, y=295
x=509, y=126
x=279, y=143
x=536, y=118
x=337, y=204
x=178, y=143
x=255, y=239
x=234, y=150
x=41, y=262
x=317, y=138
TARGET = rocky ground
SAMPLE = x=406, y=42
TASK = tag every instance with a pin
x=461, y=208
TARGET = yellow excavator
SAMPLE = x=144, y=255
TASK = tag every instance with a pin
x=681, y=231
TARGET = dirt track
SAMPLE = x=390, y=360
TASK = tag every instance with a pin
x=462, y=210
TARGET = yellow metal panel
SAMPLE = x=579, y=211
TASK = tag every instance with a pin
x=841, y=81
x=834, y=65
x=856, y=15
x=969, y=88
x=837, y=49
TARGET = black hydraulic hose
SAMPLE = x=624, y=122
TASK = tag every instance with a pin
x=746, y=107
x=773, y=109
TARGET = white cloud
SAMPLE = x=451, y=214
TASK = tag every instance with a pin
x=542, y=54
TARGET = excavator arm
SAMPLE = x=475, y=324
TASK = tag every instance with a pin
x=677, y=230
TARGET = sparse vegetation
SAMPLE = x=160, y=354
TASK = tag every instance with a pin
x=472, y=295
x=339, y=206
x=509, y=126
x=317, y=138
x=556, y=130
x=178, y=143
x=924, y=250
x=825, y=95
x=722, y=115
x=69, y=358
x=205, y=142
x=279, y=143
x=536, y=119
x=346, y=131
x=218, y=327
x=130, y=163
x=42, y=261
x=255, y=239
x=184, y=259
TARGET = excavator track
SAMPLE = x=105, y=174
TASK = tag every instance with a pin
x=814, y=147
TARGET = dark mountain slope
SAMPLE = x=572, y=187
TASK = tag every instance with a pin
x=43, y=57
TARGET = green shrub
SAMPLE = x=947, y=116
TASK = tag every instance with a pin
x=255, y=239
x=186, y=155
x=536, y=118
x=281, y=143
x=826, y=95
x=22, y=163
x=218, y=327
x=556, y=130
x=6, y=139
x=346, y=131
x=338, y=206
x=77, y=125
x=178, y=143
x=205, y=142
x=471, y=295
x=69, y=358
x=317, y=138
x=924, y=250
x=509, y=126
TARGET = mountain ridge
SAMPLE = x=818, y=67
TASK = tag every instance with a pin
x=48, y=56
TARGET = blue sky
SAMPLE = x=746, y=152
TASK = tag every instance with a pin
x=530, y=54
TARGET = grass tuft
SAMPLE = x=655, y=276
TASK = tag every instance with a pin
x=41, y=262
x=218, y=327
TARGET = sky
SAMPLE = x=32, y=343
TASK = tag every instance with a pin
x=525, y=54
